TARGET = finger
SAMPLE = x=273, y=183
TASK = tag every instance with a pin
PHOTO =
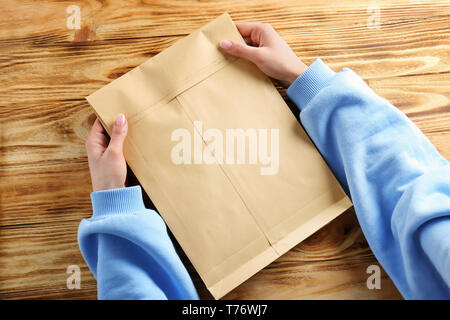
x=260, y=34
x=97, y=128
x=96, y=142
x=246, y=28
x=248, y=40
x=240, y=50
x=118, y=135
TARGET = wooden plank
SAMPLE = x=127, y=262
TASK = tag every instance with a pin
x=47, y=70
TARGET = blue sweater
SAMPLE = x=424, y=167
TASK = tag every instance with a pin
x=398, y=182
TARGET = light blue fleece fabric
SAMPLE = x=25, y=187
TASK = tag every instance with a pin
x=127, y=248
x=399, y=184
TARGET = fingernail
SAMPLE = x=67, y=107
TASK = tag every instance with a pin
x=225, y=44
x=120, y=120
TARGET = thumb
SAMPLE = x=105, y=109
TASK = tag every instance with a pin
x=239, y=50
x=118, y=134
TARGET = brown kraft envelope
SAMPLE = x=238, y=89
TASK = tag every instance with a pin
x=231, y=218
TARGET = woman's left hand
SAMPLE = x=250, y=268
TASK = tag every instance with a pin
x=106, y=161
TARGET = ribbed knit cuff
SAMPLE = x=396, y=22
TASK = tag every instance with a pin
x=117, y=201
x=308, y=84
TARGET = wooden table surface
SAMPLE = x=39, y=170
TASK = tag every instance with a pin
x=48, y=69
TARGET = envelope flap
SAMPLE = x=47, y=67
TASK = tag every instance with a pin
x=163, y=77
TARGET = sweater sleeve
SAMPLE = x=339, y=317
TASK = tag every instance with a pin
x=128, y=250
x=398, y=182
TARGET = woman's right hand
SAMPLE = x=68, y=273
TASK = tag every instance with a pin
x=265, y=48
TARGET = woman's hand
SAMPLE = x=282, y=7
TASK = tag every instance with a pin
x=267, y=50
x=106, y=161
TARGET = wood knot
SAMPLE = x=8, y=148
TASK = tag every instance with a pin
x=85, y=34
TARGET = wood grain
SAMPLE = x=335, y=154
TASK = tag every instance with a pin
x=47, y=70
